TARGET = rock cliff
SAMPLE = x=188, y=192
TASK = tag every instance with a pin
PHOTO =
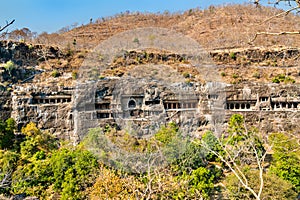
x=64, y=108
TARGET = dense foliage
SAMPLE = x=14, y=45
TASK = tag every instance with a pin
x=286, y=158
x=7, y=137
x=40, y=167
x=112, y=164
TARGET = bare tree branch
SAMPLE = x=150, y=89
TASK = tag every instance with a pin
x=6, y=180
x=274, y=34
x=294, y=7
x=280, y=14
x=280, y=1
x=7, y=25
x=234, y=169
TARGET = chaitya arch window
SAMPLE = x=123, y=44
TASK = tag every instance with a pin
x=131, y=103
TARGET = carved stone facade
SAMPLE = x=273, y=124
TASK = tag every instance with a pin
x=271, y=107
x=70, y=112
x=50, y=108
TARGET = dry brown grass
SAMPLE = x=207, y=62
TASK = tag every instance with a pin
x=214, y=28
x=225, y=29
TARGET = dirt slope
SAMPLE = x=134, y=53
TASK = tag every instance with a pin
x=215, y=28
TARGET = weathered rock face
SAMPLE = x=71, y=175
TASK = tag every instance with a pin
x=50, y=108
x=143, y=107
x=258, y=97
x=271, y=121
x=269, y=107
x=18, y=74
x=5, y=104
x=69, y=113
x=26, y=54
x=26, y=59
x=254, y=55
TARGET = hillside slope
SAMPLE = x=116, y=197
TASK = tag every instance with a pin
x=214, y=28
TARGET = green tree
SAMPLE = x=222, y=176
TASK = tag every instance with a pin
x=74, y=170
x=33, y=177
x=7, y=134
x=194, y=168
x=286, y=158
x=274, y=186
x=36, y=141
x=166, y=133
x=45, y=170
x=202, y=182
x=8, y=163
x=39, y=167
x=190, y=159
x=66, y=172
x=212, y=142
x=239, y=148
x=236, y=128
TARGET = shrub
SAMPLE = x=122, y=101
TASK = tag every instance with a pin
x=235, y=76
x=30, y=46
x=232, y=55
x=10, y=66
x=274, y=186
x=274, y=64
x=55, y=73
x=186, y=75
x=59, y=62
x=69, y=51
x=275, y=80
x=256, y=75
x=289, y=80
x=136, y=40
x=282, y=78
x=74, y=75
x=223, y=74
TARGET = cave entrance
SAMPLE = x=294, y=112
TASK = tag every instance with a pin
x=131, y=103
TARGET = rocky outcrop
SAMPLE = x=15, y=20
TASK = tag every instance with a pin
x=142, y=105
x=268, y=107
x=61, y=111
x=25, y=59
x=5, y=104
x=27, y=54
x=50, y=108
x=248, y=56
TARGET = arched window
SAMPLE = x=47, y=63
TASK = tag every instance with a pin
x=131, y=103
x=242, y=106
